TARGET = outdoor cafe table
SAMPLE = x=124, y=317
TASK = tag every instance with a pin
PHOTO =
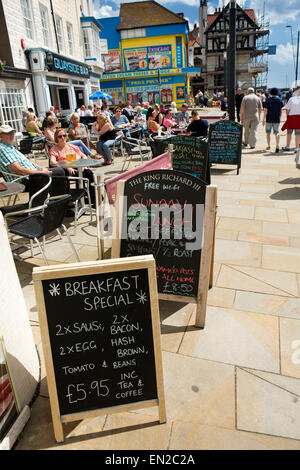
x=80, y=165
x=12, y=189
x=157, y=144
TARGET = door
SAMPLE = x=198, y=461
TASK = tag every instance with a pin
x=79, y=97
x=64, y=100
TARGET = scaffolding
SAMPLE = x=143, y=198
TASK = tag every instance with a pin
x=261, y=57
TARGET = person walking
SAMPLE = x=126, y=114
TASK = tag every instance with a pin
x=251, y=108
x=292, y=120
x=238, y=101
x=272, y=114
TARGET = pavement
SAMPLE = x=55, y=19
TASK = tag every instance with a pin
x=236, y=383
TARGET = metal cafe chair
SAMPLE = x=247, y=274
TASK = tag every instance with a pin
x=38, y=188
x=38, y=185
x=77, y=194
x=133, y=148
x=32, y=146
x=43, y=220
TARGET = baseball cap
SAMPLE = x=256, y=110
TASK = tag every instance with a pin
x=185, y=105
x=5, y=129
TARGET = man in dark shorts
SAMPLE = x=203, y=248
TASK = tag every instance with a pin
x=272, y=114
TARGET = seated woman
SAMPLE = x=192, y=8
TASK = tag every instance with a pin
x=58, y=153
x=140, y=119
x=152, y=125
x=159, y=115
x=77, y=134
x=32, y=126
x=104, y=128
x=174, y=108
x=120, y=121
x=168, y=122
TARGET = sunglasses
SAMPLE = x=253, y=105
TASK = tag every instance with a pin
x=61, y=136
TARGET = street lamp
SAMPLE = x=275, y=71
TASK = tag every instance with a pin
x=231, y=83
x=296, y=62
x=291, y=29
x=297, y=59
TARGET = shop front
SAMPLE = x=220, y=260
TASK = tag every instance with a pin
x=58, y=81
x=161, y=87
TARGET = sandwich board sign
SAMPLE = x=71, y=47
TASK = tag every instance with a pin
x=101, y=338
x=225, y=143
x=171, y=215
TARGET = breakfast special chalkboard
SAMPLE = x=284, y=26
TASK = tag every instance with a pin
x=100, y=330
x=190, y=155
x=163, y=213
x=225, y=143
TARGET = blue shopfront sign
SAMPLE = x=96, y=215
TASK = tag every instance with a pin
x=65, y=65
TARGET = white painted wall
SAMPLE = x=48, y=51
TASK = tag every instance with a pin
x=15, y=327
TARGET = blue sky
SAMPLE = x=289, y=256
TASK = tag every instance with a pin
x=281, y=66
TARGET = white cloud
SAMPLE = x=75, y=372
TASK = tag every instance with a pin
x=277, y=11
x=284, y=54
x=106, y=11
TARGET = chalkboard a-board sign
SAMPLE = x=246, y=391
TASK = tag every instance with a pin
x=171, y=215
x=225, y=143
x=101, y=338
x=190, y=155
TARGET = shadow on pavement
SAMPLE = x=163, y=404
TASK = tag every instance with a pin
x=287, y=194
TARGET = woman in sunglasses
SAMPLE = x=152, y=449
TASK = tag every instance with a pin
x=64, y=151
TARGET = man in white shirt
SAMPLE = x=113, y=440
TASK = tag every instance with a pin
x=89, y=110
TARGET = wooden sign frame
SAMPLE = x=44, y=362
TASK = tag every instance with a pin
x=93, y=268
x=207, y=252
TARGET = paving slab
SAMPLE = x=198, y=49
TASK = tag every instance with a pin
x=235, y=337
x=190, y=436
x=264, y=407
x=290, y=346
x=268, y=304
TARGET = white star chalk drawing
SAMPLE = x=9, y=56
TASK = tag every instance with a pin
x=141, y=297
x=55, y=290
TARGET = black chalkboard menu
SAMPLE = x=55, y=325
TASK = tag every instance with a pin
x=164, y=216
x=225, y=143
x=190, y=155
x=101, y=337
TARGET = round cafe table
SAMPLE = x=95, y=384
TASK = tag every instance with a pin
x=80, y=165
x=12, y=189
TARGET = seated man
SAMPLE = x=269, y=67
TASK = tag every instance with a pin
x=183, y=115
x=198, y=127
x=14, y=162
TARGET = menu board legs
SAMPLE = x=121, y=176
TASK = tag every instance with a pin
x=206, y=255
x=99, y=197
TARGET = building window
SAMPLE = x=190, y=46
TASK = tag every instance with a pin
x=133, y=33
x=70, y=38
x=26, y=11
x=45, y=25
x=86, y=43
x=96, y=44
x=12, y=105
x=59, y=32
